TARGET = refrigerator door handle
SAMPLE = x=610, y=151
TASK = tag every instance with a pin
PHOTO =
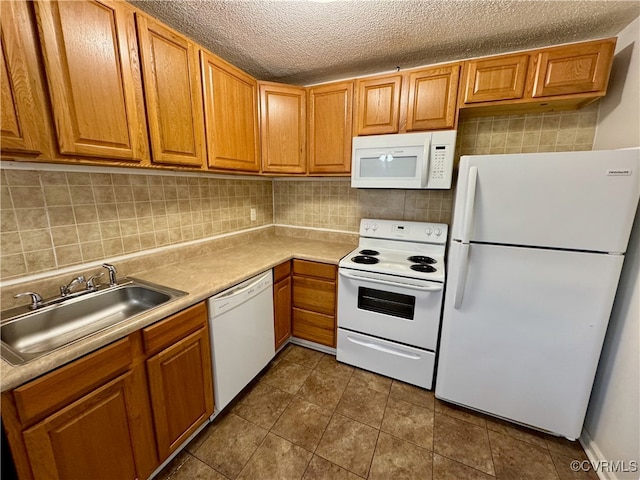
x=461, y=281
x=469, y=204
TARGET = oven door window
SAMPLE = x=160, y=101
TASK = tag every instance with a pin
x=387, y=303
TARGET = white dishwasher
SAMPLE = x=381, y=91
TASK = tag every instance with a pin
x=242, y=337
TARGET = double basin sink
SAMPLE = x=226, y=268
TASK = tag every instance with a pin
x=27, y=336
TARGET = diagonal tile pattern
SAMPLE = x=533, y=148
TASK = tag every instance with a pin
x=309, y=417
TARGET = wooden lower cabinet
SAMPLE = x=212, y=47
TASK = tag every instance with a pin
x=118, y=412
x=181, y=368
x=282, y=303
x=314, y=302
x=91, y=438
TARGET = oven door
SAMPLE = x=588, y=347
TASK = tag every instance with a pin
x=405, y=310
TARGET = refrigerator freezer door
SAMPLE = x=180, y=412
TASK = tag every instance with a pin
x=525, y=341
x=573, y=200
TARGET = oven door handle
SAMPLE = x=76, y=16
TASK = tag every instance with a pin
x=382, y=348
x=422, y=288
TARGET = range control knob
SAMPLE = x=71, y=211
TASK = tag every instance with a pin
x=375, y=227
x=438, y=232
x=429, y=231
x=366, y=226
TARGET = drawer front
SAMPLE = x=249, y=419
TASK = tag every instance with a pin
x=314, y=327
x=315, y=295
x=408, y=364
x=58, y=388
x=166, y=332
x=314, y=269
x=281, y=271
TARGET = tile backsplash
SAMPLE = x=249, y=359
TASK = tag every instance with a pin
x=54, y=219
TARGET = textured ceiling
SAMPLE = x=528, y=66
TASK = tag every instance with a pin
x=312, y=41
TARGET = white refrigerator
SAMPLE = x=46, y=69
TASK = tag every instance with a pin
x=537, y=246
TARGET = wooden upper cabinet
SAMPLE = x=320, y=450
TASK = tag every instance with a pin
x=231, y=115
x=23, y=115
x=173, y=94
x=491, y=79
x=378, y=105
x=432, y=98
x=330, y=127
x=573, y=69
x=283, y=128
x=91, y=59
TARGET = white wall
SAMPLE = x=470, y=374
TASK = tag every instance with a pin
x=613, y=418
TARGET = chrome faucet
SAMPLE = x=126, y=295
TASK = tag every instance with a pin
x=112, y=274
x=66, y=289
x=36, y=300
x=91, y=281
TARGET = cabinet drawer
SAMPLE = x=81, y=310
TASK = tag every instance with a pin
x=314, y=269
x=315, y=295
x=281, y=271
x=168, y=331
x=314, y=327
x=58, y=388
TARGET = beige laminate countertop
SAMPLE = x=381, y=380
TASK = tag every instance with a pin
x=200, y=276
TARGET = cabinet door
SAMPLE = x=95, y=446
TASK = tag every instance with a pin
x=181, y=386
x=173, y=95
x=497, y=78
x=282, y=311
x=378, y=105
x=23, y=115
x=94, y=437
x=283, y=128
x=330, y=128
x=573, y=69
x=91, y=59
x=231, y=115
x=432, y=98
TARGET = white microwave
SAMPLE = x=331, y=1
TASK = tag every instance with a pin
x=405, y=160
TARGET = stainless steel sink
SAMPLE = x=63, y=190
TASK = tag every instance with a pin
x=31, y=335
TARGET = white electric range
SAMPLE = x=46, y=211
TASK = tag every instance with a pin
x=390, y=293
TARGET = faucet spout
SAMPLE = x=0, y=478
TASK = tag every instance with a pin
x=66, y=289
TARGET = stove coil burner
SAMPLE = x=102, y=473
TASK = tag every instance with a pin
x=421, y=259
x=366, y=259
x=372, y=253
x=423, y=267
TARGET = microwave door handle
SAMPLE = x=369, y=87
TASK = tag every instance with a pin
x=422, y=288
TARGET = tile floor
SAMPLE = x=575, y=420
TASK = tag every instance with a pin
x=309, y=417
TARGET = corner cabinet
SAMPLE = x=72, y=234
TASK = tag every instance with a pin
x=330, y=128
x=314, y=302
x=173, y=93
x=90, y=54
x=282, y=303
x=117, y=412
x=231, y=115
x=283, y=121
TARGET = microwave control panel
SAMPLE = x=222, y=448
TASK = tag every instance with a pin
x=440, y=166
